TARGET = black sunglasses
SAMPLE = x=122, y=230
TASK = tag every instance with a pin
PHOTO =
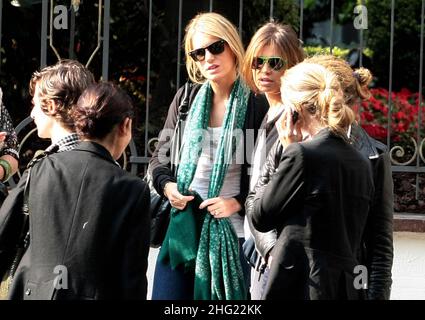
x=276, y=63
x=214, y=48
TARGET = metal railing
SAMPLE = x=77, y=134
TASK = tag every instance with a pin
x=415, y=165
x=395, y=150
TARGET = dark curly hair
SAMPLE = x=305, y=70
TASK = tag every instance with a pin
x=62, y=83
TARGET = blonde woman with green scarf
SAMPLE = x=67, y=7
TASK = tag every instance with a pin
x=200, y=256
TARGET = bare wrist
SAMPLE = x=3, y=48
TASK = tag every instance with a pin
x=238, y=206
x=164, y=191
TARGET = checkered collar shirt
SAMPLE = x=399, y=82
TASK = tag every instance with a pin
x=67, y=143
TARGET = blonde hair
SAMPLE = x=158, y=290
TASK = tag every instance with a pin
x=354, y=84
x=314, y=89
x=280, y=36
x=215, y=25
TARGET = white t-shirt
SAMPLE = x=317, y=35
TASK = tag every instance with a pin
x=231, y=185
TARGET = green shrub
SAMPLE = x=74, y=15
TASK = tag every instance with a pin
x=313, y=50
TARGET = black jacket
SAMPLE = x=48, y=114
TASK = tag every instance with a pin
x=377, y=254
x=89, y=216
x=264, y=240
x=161, y=173
x=318, y=200
x=378, y=251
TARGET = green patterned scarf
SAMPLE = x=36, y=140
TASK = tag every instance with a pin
x=218, y=273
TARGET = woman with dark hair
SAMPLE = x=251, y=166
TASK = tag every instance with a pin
x=89, y=222
x=55, y=90
x=273, y=49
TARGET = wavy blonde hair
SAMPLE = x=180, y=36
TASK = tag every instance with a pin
x=316, y=90
x=218, y=26
x=354, y=83
x=280, y=36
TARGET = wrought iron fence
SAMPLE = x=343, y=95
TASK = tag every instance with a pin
x=415, y=163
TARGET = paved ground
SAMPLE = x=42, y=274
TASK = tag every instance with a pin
x=151, y=267
x=408, y=268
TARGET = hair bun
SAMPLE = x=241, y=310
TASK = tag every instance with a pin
x=363, y=76
x=99, y=109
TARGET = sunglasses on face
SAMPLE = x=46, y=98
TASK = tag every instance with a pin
x=276, y=63
x=214, y=48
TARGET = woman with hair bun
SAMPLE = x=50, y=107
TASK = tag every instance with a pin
x=378, y=251
x=319, y=197
x=89, y=221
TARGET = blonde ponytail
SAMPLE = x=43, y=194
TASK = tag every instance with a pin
x=340, y=116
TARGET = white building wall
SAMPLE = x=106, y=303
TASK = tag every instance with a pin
x=409, y=266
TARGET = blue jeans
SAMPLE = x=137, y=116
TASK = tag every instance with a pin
x=169, y=284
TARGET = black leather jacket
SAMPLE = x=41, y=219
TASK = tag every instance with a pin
x=377, y=253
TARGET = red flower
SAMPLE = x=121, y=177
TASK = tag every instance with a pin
x=368, y=116
x=400, y=127
x=404, y=115
x=399, y=115
x=375, y=131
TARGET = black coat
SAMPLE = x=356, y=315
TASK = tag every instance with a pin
x=378, y=250
x=318, y=200
x=377, y=247
x=90, y=216
x=256, y=110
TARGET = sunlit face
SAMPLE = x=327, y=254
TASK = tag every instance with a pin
x=266, y=78
x=43, y=121
x=215, y=66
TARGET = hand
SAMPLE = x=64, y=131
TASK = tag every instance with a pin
x=288, y=132
x=177, y=200
x=221, y=208
x=3, y=135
